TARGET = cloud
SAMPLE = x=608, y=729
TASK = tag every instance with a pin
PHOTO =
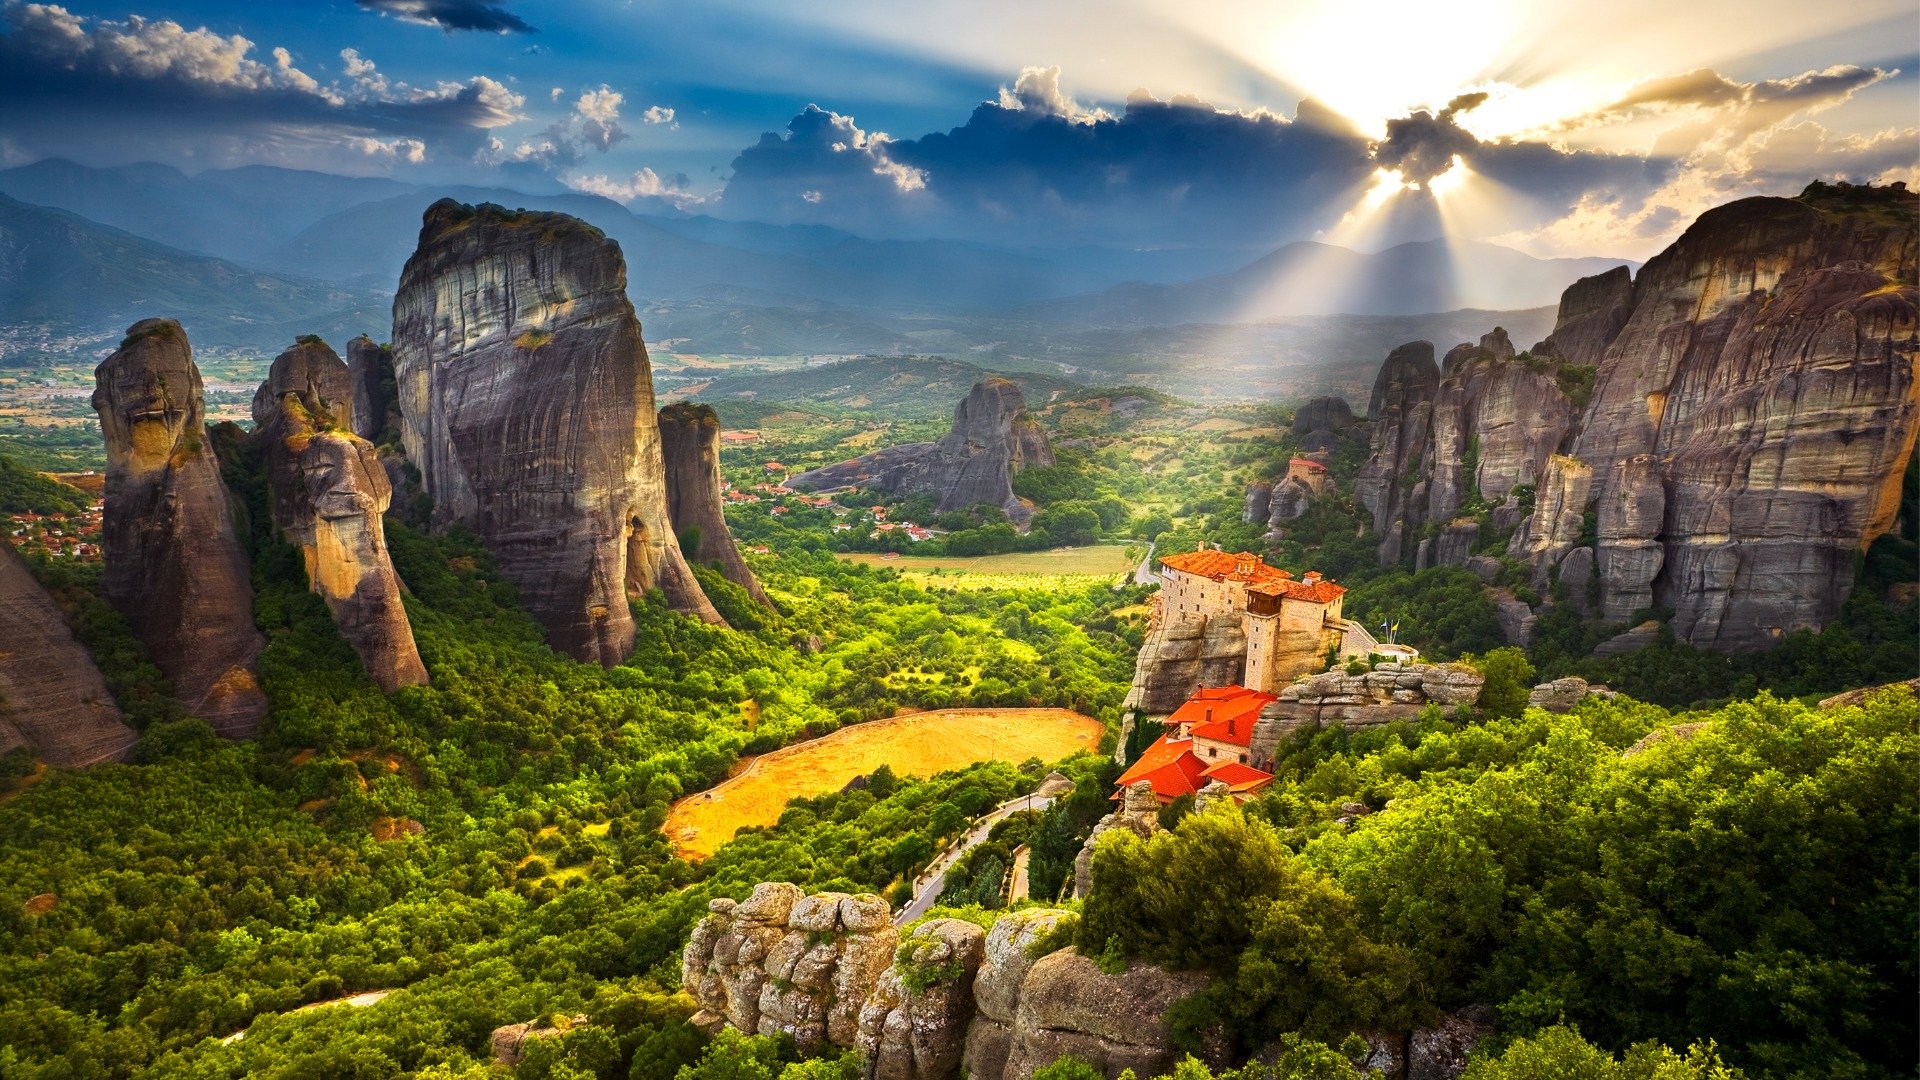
x=1037, y=89
x=660, y=114
x=1423, y=145
x=593, y=126
x=75, y=83
x=452, y=15
x=643, y=185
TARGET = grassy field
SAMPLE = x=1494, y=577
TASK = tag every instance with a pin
x=919, y=744
x=1096, y=560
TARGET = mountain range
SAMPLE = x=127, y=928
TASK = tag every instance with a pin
x=247, y=257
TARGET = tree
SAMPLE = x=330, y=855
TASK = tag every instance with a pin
x=1509, y=679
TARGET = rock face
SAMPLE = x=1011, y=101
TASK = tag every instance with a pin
x=1138, y=813
x=783, y=961
x=1561, y=695
x=1289, y=500
x=1259, y=502
x=527, y=405
x=1751, y=419
x=1754, y=403
x=690, y=449
x=991, y=439
x=1323, y=414
x=1401, y=411
x=1182, y=653
x=329, y=492
x=370, y=367
x=53, y=700
x=174, y=566
x=1067, y=1005
x=1592, y=311
x=1387, y=693
x=914, y=1023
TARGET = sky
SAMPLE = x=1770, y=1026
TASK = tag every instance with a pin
x=1555, y=128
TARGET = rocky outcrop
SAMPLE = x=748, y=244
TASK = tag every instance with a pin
x=1516, y=618
x=1558, y=521
x=1323, y=414
x=690, y=450
x=1289, y=500
x=781, y=961
x=1068, y=1006
x=1007, y=959
x=1259, y=502
x=1138, y=813
x=1496, y=421
x=1401, y=413
x=1856, y=697
x=1630, y=641
x=509, y=1043
x=370, y=370
x=329, y=492
x=53, y=699
x=992, y=438
x=1387, y=693
x=1592, y=311
x=527, y=405
x=1751, y=419
x=1561, y=695
x=174, y=565
x=913, y=1025
x=1180, y=654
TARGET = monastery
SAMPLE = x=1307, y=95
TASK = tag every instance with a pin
x=1207, y=739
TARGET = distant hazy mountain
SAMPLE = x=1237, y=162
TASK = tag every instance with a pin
x=74, y=277
x=236, y=214
x=918, y=387
x=1309, y=278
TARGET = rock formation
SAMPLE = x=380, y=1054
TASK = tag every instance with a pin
x=1751, y=419
x=1138, y=813
x=1561, y=695
x=370, y=367
x=1182, y=653
x=914, y=1023
x=1259, y=504
x=992, y=438
x=1753, y=405
x=53, y=700
x=329, y=492
x=1323, y=414
x=1387, y=693
x=690, y=449
x=1401, y=412
x=1592, y=311
x=781, y=961
x=174, y=566
x=1067, y=1005
x=527, y=405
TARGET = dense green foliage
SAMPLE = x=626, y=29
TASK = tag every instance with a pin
x=1749, y=881
x=26, y=491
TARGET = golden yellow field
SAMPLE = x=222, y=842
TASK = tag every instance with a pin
x=918, y=744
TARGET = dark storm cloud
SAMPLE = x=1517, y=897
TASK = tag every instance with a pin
x=451, y=15
x=1035, y=166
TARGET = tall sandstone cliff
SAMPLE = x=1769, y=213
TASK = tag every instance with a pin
x=992, y=438
x=174, y=565
x=527, y=404
x=690, y=448
x=329, y=492
x=53, y=699
x=1754, y=404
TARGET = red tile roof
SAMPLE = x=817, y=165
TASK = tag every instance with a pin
x=1222, y=713
x=1307, y=463
x=1240, y=779
x=1170, y=766
x=1224, y=566
x=1319, y=592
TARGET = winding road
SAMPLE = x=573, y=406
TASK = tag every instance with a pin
x=927, y=887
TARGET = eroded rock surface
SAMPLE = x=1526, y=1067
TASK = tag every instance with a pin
x=329, y=492
x=527, y=405
x=370, y=370
x=1180, y=654
x=174, y=565
x=1138, y=813
x=1401, y=411
x=914, y=1023
x=690, y=449
x=1387, y=693
x=53, y=699
x=781, y=961
x=992, y=438
x=1114, y=1022
x=1592, y=311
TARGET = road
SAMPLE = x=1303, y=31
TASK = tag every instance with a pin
x=927, y=887
x=1143, y=574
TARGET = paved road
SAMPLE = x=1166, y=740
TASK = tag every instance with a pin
x=927, y=887
x=1143, y=574
x=1018, y=890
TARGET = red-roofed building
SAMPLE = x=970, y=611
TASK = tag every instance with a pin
x=1289, y=623
x=1207, y=739
x=1309, y=472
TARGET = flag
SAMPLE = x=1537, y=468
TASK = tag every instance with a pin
x=1395, y=630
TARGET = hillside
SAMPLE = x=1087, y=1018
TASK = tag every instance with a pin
x=63, y=275
x=907, y=387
